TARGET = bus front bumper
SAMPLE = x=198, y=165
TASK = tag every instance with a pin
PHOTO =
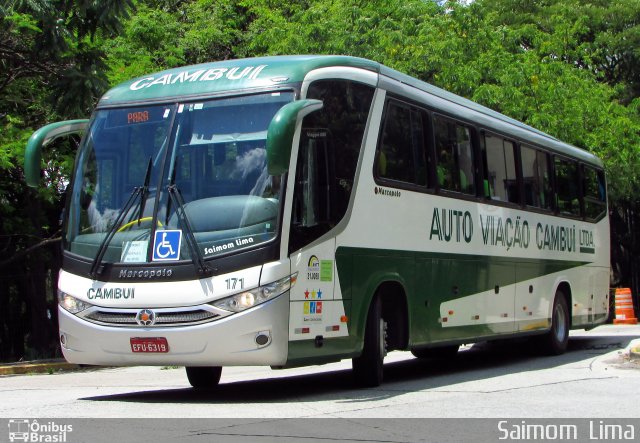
x=231, y=341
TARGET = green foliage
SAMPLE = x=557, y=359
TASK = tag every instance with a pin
x=147, y=44
x=13, y=140
x=599, y=36
x=52, y=67
x=59, y=43
x=163, y=35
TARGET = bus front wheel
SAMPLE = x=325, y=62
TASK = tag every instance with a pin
x=204, y=377
x=368, y=368
x=555, y=341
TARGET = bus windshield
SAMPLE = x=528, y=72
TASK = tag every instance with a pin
x=212, y=153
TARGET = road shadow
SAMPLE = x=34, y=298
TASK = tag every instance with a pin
x=480, y=362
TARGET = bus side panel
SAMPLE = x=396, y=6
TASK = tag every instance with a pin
x=599, y=281
x=471, y=298
x=450, y=297
x=372, y=268
x=590, y=295
x=319, y=330
x=422, y=307
x=534, y=296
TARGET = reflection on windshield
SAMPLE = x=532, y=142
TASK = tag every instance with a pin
x=216, y=159
x=111, y=164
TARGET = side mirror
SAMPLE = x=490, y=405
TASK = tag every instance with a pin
x=281, y=131
x=42, y=137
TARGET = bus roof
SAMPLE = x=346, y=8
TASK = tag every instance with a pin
x=268, y=72
x=225, y=76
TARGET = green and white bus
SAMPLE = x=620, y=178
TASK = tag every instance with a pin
x=298, y=210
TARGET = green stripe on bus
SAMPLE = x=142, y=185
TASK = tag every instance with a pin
x=429, y=279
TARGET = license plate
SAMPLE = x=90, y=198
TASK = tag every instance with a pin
x=149, y=344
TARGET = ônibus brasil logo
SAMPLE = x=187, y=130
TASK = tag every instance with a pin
x=32, y=431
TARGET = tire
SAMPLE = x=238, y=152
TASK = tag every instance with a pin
x=555, y=341
x=368, y=368
x=204, y=377
x=443, y=352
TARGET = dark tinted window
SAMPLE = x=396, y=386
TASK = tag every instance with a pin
x=595, y=197
x=567, y=187
x=501, y=183
x=401, y=154
x=536, y=176
x=454, y=156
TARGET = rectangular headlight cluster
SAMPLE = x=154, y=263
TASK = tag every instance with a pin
x=254, y=297
x=72, y=304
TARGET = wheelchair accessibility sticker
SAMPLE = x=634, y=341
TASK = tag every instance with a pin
x=166, y=245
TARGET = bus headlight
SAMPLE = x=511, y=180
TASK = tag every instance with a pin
x=72, y=304
x=254, y=297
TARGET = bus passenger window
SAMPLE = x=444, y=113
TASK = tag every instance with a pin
x=500, y=165
x=567, y=183
x=401, y=154
x=595, y=199
x=454, y=157
x=536, y=176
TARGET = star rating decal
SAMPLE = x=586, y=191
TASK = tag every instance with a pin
x=314, y=294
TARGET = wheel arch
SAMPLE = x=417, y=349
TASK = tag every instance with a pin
x=395, y=312
x=565, y=287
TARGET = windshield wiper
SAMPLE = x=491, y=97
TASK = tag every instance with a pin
x=144, y=192
x=176, y=198
x=138, y=192
x=172, y=182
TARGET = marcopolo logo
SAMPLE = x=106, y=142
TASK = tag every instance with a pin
x=145, y=273
x=33, y=431
x=387, y=192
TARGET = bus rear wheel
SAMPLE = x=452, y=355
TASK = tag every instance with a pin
x=368, y=368
x=555, y=341
x=204, y=377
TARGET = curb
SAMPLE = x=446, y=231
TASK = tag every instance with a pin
x=39, y=367
x=634, y=349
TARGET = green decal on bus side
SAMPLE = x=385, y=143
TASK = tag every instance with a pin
x=326, y=270
x=429, y=279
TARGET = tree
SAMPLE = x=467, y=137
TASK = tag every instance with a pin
x=600, y=36
x=51, y=68
x=167, y=34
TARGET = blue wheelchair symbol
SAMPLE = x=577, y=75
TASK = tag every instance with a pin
x=166, y=245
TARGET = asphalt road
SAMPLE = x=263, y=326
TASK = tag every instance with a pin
x=485, y=380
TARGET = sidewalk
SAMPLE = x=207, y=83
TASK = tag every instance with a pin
x=634, y=349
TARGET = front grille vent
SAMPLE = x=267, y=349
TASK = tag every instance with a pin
x=162, y=318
